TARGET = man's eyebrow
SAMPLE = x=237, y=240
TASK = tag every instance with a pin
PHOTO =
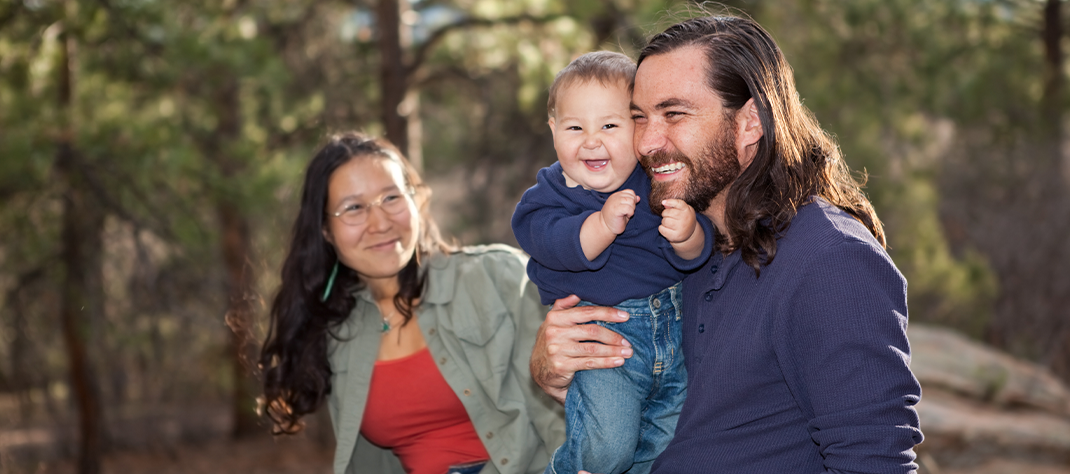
x=667, y=103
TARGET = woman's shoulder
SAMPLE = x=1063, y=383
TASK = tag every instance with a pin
x=494, y=252
x=495, y=264
x=490, y=255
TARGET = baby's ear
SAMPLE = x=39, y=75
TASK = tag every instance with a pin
x=551, y=123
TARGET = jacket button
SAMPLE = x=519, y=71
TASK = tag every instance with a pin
x=709, y=295
x=490, y=435
x=701, y=328
x=467, y=392
x=431, y=332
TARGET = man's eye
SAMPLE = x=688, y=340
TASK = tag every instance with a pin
x=353, y=208
x=638, y=117
x=391, y=198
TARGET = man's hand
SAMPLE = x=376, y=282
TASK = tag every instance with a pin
x=565, y=345
x=618, y=210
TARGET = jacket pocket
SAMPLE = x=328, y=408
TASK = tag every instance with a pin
x=486, y=332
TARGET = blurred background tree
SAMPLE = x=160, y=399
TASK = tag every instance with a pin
x=151, y=152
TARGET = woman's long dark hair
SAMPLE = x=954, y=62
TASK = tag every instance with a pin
x=795, y=160
x=293, y=360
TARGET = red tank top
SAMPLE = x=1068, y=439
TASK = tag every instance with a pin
x=414, y=412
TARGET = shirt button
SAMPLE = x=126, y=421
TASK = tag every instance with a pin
x=490, y=435
x=467, y=392
x=709, y=295
x=442, y=360
x=431, y=332
x=713, y=269
x=701, y=328
x=657, y=304
x=505, y=461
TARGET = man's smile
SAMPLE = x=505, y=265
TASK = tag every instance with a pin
x=667, y=170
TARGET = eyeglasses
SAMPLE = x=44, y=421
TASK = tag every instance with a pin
x=393, y=203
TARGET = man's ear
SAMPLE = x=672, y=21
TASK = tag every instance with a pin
x=748, y=132
x=748, y=125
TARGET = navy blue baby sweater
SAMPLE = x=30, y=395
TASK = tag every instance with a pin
x=639, y=263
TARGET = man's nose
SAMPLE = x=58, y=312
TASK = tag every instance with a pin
x=649, y=138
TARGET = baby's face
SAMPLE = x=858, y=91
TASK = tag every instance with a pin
x=593, y=135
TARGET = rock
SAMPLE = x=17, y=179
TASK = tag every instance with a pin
x=963, y=432
x=981, y=407
x=946, y=359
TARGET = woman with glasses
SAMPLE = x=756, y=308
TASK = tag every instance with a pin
x=420, y=348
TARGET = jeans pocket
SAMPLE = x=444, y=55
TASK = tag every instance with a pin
x=467, y=468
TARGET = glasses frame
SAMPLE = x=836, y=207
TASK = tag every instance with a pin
x=409, y=191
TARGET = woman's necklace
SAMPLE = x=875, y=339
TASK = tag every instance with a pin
x=386, y=322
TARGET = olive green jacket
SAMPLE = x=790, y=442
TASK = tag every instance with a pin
x=479, y=317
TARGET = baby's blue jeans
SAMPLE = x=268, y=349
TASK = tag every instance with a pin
x=619, y=420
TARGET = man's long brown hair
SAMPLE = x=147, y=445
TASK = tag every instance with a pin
x=795, y=161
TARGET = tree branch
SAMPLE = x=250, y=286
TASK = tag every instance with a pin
x=99, y=190
x=8, y=14
x=424, y=49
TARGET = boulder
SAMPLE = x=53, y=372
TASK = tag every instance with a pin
x=980, y=405
x=946, y=359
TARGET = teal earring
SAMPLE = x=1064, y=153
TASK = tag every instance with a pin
x=330, y=281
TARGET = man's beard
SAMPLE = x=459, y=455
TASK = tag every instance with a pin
x=707, y=175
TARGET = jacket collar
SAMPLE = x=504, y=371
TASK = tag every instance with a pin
x=440, y=290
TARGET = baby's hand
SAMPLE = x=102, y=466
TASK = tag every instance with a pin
x=677, y=221
x=618, y=210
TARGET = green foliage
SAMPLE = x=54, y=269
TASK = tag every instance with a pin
x=179, y=107
x=902, y=84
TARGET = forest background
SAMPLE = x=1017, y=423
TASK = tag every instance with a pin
x=151, y=153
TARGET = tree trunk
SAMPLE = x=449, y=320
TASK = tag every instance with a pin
x=1053, y=62
x=235, y=246
x=236, y=249
x=83, y=301
x=1054, y=85
x=393, y=79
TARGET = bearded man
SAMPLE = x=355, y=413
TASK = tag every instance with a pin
x=794, y=332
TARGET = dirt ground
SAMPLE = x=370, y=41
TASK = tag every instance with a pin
x=1006, y=467
x=259, y=455
x=263, y=455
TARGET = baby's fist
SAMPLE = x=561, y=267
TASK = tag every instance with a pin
x=678, y=221
x=619, y=209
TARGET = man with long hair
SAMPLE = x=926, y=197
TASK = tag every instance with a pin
x=794, y=331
